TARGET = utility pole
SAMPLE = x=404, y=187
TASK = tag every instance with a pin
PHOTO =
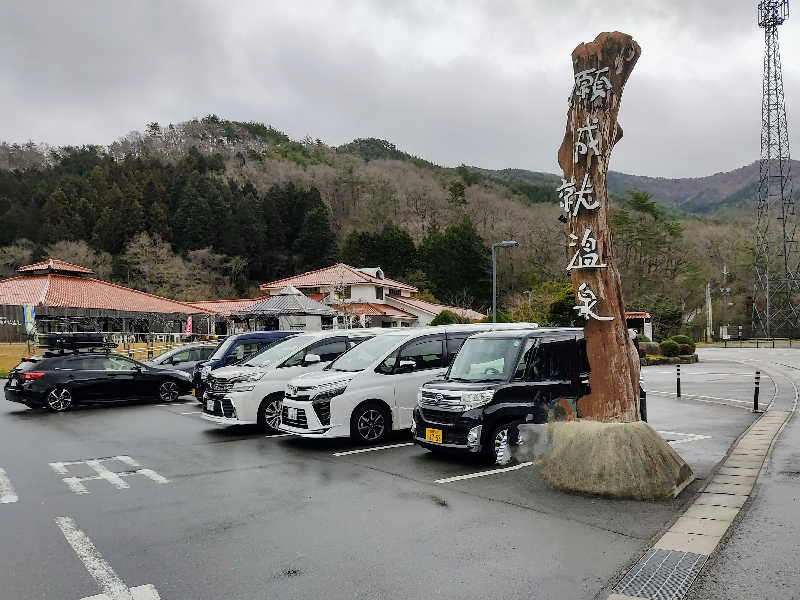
x=504, y=244
x=709, y=320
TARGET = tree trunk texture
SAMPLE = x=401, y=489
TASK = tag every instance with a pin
x=614, y=363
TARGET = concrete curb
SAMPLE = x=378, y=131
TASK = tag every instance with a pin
x=668, y=569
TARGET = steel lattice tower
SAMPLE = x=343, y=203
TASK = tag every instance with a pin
x=777, y=281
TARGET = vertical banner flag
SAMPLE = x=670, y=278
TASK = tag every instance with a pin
x=30, y=317
x=189, y=324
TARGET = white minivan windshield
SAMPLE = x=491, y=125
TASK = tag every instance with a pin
x=280, y=350
x=366, y=353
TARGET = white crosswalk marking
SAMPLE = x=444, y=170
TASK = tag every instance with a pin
x=115, y=478
x=683, y=437
x=111, y=586
x=7, y=493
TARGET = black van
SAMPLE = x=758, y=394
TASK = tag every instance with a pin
x=498, y=380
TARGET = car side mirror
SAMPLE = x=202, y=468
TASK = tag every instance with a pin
x=406, y=366
x=311, y=358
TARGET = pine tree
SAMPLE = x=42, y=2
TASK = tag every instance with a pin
x=315, y=246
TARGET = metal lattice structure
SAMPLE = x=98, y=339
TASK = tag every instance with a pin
x=777, y=280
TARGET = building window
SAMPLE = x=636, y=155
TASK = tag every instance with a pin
x=342, y=292
x=394, y=292
x=378, y=292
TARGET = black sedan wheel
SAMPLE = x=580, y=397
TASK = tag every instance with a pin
x=59, y=399
x=370, y=424
x=168, y=391
x=269, y=414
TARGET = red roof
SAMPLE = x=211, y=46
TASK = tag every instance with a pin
x=225, y=307
x=338, y=274
x=54, y=264
x=85, y=292
x=637, y=315
x=435, y=309
x=372, y=309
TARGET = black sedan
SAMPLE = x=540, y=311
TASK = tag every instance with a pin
x=59, y=382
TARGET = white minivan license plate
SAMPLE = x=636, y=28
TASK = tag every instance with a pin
x=291, y=414
x=210, y=405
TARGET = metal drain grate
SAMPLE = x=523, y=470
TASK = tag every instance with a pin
x=662, y=574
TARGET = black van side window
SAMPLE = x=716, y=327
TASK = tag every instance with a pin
x=524, y=358
x=553, y=360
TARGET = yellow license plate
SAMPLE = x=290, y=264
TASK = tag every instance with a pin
x=433, y=435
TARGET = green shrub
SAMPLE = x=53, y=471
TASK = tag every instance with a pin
x=670, y=348
x=685, y=349
x=642, y=338
x=448, y=317
x=684, y=339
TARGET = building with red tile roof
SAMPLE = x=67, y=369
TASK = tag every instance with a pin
x=368, y=294
x=226, y=308
x=62, y=294
x=339, y=274
x=426, y=311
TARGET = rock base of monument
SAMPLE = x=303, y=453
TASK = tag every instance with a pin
x=620, y=460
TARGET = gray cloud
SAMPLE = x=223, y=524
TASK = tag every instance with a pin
x=483, y=83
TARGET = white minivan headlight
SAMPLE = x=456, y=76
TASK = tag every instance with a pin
x=472, y=400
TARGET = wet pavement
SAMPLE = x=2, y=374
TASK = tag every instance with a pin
x=761, y=556
x=181, y=508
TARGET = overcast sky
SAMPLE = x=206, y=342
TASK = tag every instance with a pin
x=483, y=83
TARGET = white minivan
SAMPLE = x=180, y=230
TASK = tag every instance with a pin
x=251, y=393
x=372, y=389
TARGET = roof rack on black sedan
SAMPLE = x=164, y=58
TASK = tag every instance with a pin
x=75, y=342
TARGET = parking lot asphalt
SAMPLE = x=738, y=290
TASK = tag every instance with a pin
x=152, y=501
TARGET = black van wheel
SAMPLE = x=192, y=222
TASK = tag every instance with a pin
x=498, y=445
x=370, y=423
x=269, y=413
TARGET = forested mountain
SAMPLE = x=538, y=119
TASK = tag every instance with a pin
x=210, y=208
x=718, y=194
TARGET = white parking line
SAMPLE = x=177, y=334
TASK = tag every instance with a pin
x=111, y=586
x=194, y=412
x=7, y=493
x=279, y=435
x=372, y=449
x=484, y=473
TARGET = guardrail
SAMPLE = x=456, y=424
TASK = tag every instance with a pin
x=759, y=343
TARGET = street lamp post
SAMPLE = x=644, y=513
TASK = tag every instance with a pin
x=504, y=244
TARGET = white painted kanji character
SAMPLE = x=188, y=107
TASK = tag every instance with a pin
x=583, y=197
x=584, y=83
x=591, y=142
x=565, y=193
x=588, y=299
x=601, y=85
x=586, y=255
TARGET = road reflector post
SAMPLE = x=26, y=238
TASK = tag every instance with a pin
x=643, y=405
x=755, y=391
x=678, y=380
